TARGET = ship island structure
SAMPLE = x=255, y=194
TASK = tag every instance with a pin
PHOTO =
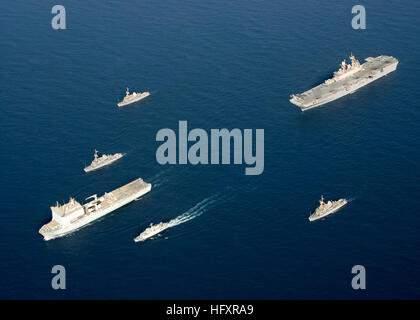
x=72, y=215
x=349, y=78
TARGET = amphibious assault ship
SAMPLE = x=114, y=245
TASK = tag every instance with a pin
x=104, y=160
x=71, y=216
x=347, y=79
x=131, y=98
x=151, y=231
x=325, y=209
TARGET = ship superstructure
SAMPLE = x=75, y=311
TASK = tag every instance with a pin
x=346, y=80
x=326, y=208
x=133, y=97
x=72, y=215
x=102, y=161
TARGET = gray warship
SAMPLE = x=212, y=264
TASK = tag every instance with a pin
x=133, y=97
x=346, y=80
x=102, y=161
x=151, y=231
x=72, y=215
x=325, y=209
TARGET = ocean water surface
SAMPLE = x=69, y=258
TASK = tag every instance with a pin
x=216, y=64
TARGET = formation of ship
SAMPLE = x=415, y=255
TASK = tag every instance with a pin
x=349, y=78
x=102, y=161
x=133, y=97
x=327, y=208
x=72, y=215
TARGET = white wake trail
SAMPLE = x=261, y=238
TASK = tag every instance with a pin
x=194, y=212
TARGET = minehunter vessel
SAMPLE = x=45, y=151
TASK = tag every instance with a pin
x=326, y=209
x=151, y=231
x=71, y=216
x=102, y=161
x=131, y=98
x=347, y=79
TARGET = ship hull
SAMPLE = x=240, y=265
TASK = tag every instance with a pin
x=321, y=95
x=64, y=230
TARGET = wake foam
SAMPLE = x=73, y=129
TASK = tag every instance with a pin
x=195, y=211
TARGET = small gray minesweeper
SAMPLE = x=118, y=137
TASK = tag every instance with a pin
x=151, y=231
x=102, y=161
x=133, y=97
x=326, y=209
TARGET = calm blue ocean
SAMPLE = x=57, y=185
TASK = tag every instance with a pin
x=216, y=64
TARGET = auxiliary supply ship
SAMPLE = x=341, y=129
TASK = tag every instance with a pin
x=71, y=216
x=346, y=80
x=325, y=209
x=102, y=161
x=131, y=98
